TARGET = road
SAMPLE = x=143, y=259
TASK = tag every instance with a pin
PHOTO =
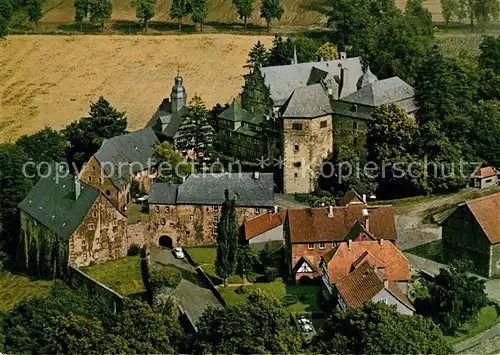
x=193, y=296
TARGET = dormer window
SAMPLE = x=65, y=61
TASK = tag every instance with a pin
x=354, y=108
x=310, y=246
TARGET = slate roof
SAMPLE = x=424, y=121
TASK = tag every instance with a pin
x=238, y=114
x=263, y=223
x=136, y=148
x=307, y=102
x=314, y=225
x=166, y=123
x=52, y=203
x=485, y=172
x=381, y=92
x=384, y=253
x=366, y=79
x=284, y=79
x=209, y=189
x=486, y=210
x=163, y=193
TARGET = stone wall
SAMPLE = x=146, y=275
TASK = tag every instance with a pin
x=191, y=225
x=304, y=151
x=93, y=288
x=101, y=236
x=138, y=233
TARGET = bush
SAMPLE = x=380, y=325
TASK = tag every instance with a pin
x=271, y=273
x=241, y=290
x=288, y=300
x=134, y=250
x=165, y=277
x=252, y=277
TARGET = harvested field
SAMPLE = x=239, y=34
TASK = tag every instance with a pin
x=51, y=80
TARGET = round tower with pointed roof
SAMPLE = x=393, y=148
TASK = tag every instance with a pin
x=178, y=96
x=366, y=79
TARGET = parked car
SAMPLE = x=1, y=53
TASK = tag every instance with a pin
x=143, y=199
x=178, y=253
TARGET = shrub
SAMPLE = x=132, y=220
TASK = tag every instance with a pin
x=134, y=250
x=241, y=290
x=165, y=277
x=252, y=277
x=270, y=273
x=288, y=300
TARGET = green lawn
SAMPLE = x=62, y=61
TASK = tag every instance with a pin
x=122, y=275
x=15, y=288
x=205, y=257
x=487, y=318
x=307, y=296
x=137, y=213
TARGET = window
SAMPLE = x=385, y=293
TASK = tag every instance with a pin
x=94, y=214
x=188, y=232
x=257, y=210
x=322, y=124
x=354, y=108
x=90, y=227
x=157, y=209
x=216, y=208
x=355, y=125
x=487, y=181
x=93, y=167
x=90, y=178
x=216, y=219
x=115, y=222
x=214, y=231
x=167, y=209
x=172, y=224
x=162, y=221
x=111, y=238
x=355, y=141
x=322, y=245
x=295, y=175
x=191, y=217
x=297, y=164
x=108, y=192
x=83, y=242
x=384, y=300
x=310, y=246
x=100, y=180
x=297, y=126
x=296, y=148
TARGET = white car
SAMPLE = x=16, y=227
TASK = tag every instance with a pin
x=178, y=253
x=142, y=199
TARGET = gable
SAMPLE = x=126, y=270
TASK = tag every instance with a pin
x=305, y=267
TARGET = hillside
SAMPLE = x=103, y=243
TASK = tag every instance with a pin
x=51, y=80
x=298, y=13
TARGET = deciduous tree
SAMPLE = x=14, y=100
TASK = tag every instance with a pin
x=144, y=10
x=34, y=11
x=179, y=10
x=378, y=329
x=199, y=12
x=81, y=11
x=259, y=326
x=271, y=10
x=245, y=9
x=100, y=11
x=328, y=51
x=453, y=297
x=489, y=58
x=47, y=145
x=449, y=9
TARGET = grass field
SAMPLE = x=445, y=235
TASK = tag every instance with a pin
x=122, y=275
x=307, y=295
x=51, y=80
x=487, y=318
x=15, y=288
x=205, y=257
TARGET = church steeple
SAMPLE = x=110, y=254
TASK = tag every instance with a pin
x=178, y=96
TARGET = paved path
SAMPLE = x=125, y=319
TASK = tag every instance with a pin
x=193, y=296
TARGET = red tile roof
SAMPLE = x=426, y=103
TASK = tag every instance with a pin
x=486, y=210
x=383, y=253
x=315, y=224
x=485, y=172
x=263, y=223
x=360, y=286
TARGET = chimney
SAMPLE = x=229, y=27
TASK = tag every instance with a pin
x=321, y=59
x=381, y=243
x=348, y=244
x=330, y=92
x=295, y=60
x=275, y=208
x=330, y=211
x=364, y=199
x=78, y=188
x=256, y=175
x=343, y=55
x=366, y=214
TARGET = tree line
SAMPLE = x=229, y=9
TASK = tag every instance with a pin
x=480, y=11
x=20, y=11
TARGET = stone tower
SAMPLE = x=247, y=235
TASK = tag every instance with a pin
x=178, y=96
